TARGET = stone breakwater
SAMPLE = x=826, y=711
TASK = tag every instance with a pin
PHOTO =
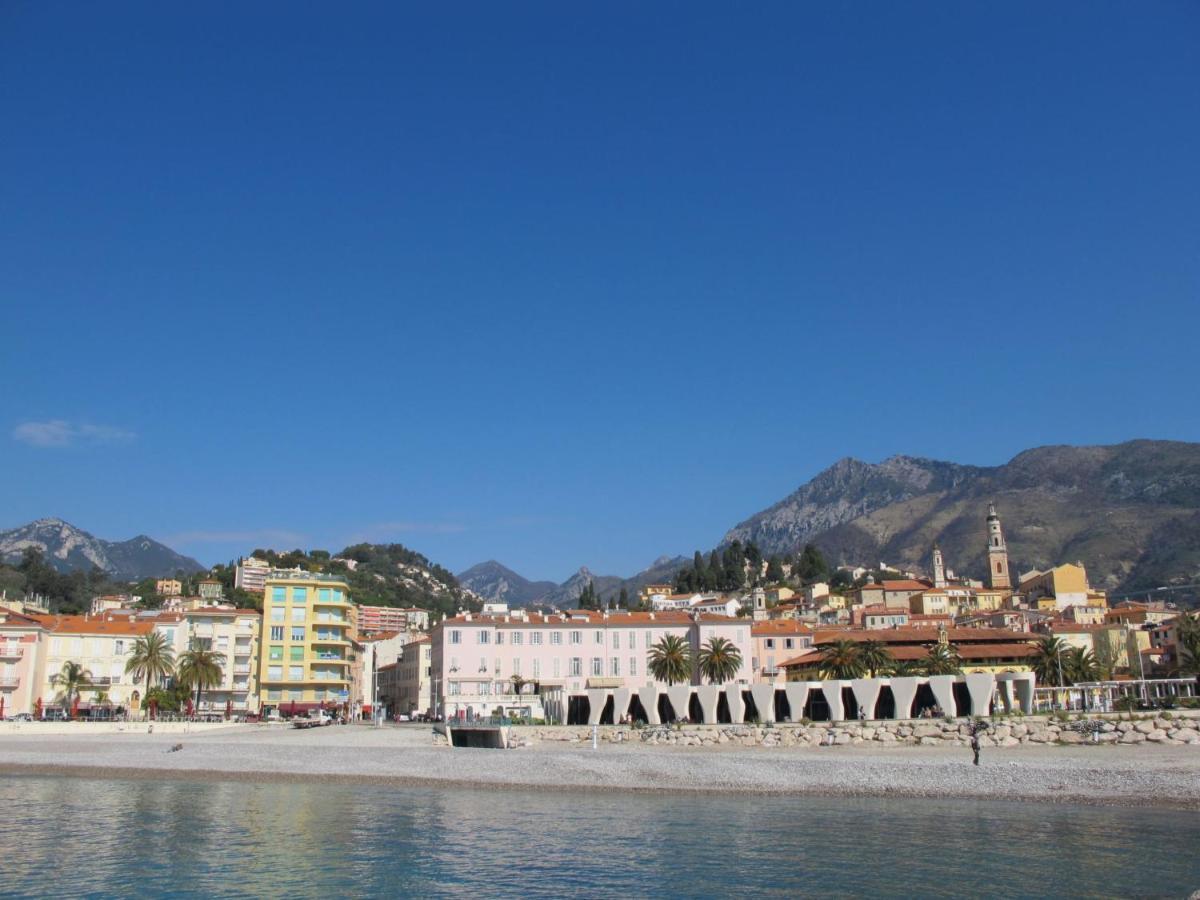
x=926, y=733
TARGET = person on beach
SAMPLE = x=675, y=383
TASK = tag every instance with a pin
x=975, y=746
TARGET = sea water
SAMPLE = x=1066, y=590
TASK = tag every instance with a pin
x=68, y=836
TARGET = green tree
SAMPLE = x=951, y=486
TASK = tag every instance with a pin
x=670, y=660
x=842, y=659
x=719, y=660
x=876, y=656
x=152, y=658
x=1049, y=660
x=943, y=659
x=1187, y=644
x=199, y=669
x=72, y=679
x=1080, y=665
x=623, y=599
x=906, y=668
x=774, y=570
x=811, y=567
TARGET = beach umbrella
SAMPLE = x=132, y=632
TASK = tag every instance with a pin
x=75, y=707
x=1, y=706
x=228, y=708
x=37, y=710
x=153, y=707
x=189, y=707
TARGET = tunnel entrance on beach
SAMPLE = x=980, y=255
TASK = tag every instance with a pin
x=750, y=707
x=849, y=703
x=816, y=709
x=637, y=712
x=695, y=710
x=606, y=715
x=924, y=700
x=885, y=706
x=579, y=709
x=783, y=707
x=724, y=717
x=666, y=712
x=962, y=700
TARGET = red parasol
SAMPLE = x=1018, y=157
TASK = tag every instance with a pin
x=153, y=707
x=37, y=710
x=1, y=706
x=228, y=708
x=75, y=707
x=189, y=707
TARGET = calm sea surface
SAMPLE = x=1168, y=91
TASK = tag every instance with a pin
x=72, y=837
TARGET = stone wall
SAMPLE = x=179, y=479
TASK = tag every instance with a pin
x=1181, y=728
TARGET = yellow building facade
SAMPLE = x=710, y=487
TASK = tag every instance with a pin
x=305, y=643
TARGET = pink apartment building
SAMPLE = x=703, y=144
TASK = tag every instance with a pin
x=21, y=646
x=475, y=658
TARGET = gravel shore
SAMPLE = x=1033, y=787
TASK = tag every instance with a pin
x=1105, y=774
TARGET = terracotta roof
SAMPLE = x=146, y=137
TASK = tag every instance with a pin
x=59, y=624
x=904, y=585
x=912, y=635
x=12, y=617
x=779, y=626
x=910, y=653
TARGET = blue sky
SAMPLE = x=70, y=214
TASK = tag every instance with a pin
x=565, y=285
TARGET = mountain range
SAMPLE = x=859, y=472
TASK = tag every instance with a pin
x=1130, y=512
x=66, y=548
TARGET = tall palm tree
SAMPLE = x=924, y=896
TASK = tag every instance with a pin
x=199, y=669
x=72, y=679
x=152, y=658
x=875, y=655
x=720, y=660
x=1080, y=665
x=670, y=660
x=1187, y=642
x=943, y=659
x=1047, y=661
x=842, y=659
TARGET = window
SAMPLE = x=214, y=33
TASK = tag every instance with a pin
x=788, y=643
x=483, y=637
x=455, y=636
x=499, y=637
x=647, y=641
x=614, y=667
x=632, y=640
x=296, y=653
x=118, y=647
x=275, y=673
x=537, y=668
x=518, y=637
x=633, y=665
x=770, y=642
x=298, y=634
x=557, y=671
x=535, y=637
x=296, y=694
x=597, y=666
x=276, y=653
x=278, y=594
x=556, y=637
x=298, y=613
x=616, y=640
x=497, y=665
x=576, y=637
x=517, y=666
x=576, y=665
x=295, y=673
x=338, y=596
x=324, y=594
x=600, y=637
x=273, y=694
x=485, y=688
x=455, y=688
x=276, y=613
x=299, y=595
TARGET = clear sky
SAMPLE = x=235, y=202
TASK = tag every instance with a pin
x=565, y=284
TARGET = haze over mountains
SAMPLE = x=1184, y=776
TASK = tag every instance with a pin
x=1130, y=512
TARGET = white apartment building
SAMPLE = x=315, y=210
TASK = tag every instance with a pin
x=251, y=574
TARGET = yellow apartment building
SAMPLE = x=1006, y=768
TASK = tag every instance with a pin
x=305, y=647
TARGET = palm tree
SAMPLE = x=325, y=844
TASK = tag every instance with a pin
x=517, y=683
x=670, y=660
x=905, y=668
x=1187, y=643
x=875, y=655
x=72, y=679
x=1047, y=661
x=720, y=660
x=199, y=669
x=152, y=658
x=1081, y=665
x=842, y=659
x=943, y=659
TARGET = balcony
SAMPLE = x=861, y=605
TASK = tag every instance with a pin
x=329, y=637
x=9, y=682
x=11, y=651
x=241, y=670
x=332, y=658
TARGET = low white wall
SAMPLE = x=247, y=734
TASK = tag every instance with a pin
x=81, y=728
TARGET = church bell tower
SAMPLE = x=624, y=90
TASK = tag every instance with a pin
x=997, y=551
x=939, y=568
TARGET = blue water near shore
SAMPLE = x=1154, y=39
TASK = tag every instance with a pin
x=77, y=837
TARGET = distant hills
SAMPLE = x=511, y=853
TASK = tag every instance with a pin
x=68, y=548
x=495, y=582
x=1130, y=512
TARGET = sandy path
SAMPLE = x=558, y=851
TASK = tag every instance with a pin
x=1160, y=776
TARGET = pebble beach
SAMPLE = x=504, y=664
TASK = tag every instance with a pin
x=1167, y=775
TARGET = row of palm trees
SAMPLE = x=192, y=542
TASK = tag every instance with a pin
x=870, y=659
x=1059, y=664
x=151, y=659
x=671, y=660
